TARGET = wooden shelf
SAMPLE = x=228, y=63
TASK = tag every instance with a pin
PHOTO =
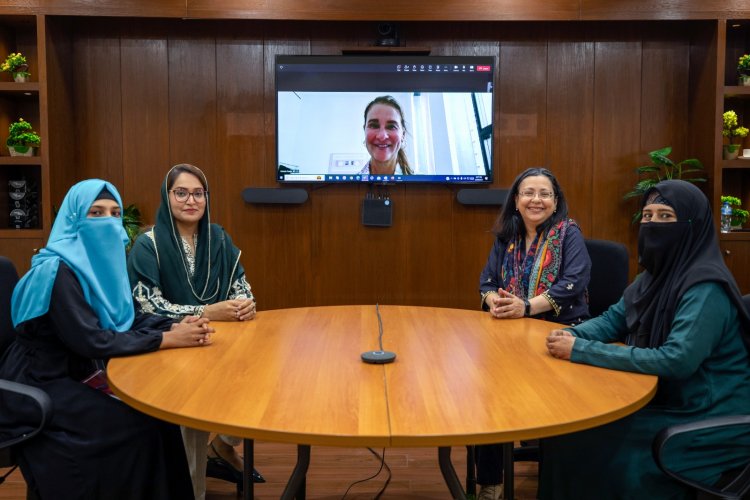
x=20, y=160
x=736, y=91
x=22, y=233
x=736, y=164
x=26, y=88
x=743, y=235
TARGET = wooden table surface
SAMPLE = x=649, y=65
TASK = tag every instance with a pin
x=295, y=376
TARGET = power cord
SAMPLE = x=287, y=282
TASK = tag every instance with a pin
x=382, y=465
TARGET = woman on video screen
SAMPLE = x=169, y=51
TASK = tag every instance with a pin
x=385, y=138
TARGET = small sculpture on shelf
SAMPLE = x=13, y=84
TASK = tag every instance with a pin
x=24, y=204
x=732, y=130
x=739, y=215
x=22, y=139
x=16, y=65
x=743, y=68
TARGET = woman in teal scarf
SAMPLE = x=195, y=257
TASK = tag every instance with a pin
x=72, y=311
x=185, y=265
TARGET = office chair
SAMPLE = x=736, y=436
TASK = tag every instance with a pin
x=734, y=484
x=8, y=279
x=609, y=278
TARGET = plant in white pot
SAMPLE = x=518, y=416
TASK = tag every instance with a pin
x=16, y=65
x=22, y=139
x=743, y=68
x=731, y=129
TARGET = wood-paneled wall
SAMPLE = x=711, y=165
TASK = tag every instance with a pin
x=146, y=95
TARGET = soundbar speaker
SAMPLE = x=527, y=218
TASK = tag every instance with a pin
x=377, y=212
x=289, y=196
x=482, y=196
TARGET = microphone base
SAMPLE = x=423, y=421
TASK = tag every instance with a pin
x=378, y=357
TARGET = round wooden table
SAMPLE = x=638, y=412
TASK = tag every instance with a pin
x=295, y=375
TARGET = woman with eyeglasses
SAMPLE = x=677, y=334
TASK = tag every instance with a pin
x=185, y=265
x=538, y=267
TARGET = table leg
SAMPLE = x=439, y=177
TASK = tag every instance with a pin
x=247, y=470
x=471, y=474
x=295, y=488
x=509, y=471
x=449, y=473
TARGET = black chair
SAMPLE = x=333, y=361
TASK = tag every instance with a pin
x=8, y=279
x=734, y=484
x=609, y=278
x=609, y=274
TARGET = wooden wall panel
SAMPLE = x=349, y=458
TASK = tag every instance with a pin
x=145, y=116
x=211, y=102
x=616, y=137
x=97, y=97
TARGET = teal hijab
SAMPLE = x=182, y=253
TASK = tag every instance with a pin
x=94, y=248
x=161, y=262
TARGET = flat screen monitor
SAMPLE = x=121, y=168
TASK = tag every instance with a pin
x=429, y=119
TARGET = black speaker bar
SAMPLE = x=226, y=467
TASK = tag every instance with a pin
x=482, y=196
x=288, y=196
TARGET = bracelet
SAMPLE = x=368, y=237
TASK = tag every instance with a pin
x=484, y=298
x=526, y=307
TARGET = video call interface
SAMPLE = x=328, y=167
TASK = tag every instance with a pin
x=446, y=104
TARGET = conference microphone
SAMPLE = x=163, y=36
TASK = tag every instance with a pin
x=379, y=357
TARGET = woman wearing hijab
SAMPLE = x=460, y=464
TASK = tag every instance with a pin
x=72, y=311
x=683, y=320
x=185, y=265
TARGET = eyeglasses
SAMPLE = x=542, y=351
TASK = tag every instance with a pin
x=543, y=195
x=183, y=194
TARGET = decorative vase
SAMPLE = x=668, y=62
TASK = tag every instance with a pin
x=19, y=77
x=731, y=151
x=745, y=80
x=21, y=150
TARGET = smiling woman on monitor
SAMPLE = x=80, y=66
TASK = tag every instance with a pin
x=385, y=138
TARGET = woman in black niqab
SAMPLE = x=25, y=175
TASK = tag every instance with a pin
x=675, y=256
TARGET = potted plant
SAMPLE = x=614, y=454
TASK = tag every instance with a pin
x=743, y=68
x=16, y=65
x=131, y=220
x=739, y=215
x=663, y=168
x=731, y=129
x=22, y=139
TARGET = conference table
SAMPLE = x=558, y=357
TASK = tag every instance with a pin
x=296, y=376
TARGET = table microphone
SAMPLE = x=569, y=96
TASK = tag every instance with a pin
x=379, y=357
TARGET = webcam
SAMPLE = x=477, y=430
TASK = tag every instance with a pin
x=387, y=35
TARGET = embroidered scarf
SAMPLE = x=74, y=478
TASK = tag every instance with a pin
x=532, y=272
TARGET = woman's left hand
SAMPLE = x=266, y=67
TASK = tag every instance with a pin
x=245, y=309
x=508, y=306
x=560, y=344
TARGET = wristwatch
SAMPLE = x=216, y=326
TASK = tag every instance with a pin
x=527, y=307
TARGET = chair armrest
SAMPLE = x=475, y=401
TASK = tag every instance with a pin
x=41, y=399
x=738, y=485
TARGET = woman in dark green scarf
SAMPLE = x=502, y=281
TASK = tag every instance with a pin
x=184, y=266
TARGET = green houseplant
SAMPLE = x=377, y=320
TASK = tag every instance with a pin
x=662, y=168
x=22, y=139
x=743, y=68
x=731, y=129
x=131, y=220
x=739, y=215
x=16, y=65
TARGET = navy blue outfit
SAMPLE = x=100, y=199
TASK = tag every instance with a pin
x=569, y=293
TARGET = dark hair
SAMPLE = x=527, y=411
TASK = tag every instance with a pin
x=186, y=168
x=390, y=101
x=509, y=223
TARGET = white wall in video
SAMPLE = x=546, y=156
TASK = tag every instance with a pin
x=322, y=132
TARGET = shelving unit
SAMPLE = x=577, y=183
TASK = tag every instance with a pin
x=24, y=183
x=732, y=177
